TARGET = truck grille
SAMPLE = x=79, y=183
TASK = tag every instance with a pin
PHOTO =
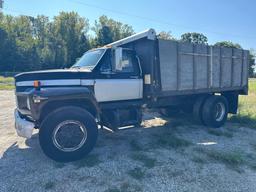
x=22, y=102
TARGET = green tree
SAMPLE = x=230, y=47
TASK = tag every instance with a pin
x=108, y=30
x=21, y=41
x=105, y=36
x=166, y=35
x=252, y=64
x=43, y=33
x=228, y=44
x=84, y=44
x=8, y=57
x=197, y=38
x=69, y=28
x=34, y=43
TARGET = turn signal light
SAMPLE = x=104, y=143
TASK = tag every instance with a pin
x=37, y=84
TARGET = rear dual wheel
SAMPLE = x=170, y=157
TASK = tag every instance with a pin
x=211, y=111
x=198, y=108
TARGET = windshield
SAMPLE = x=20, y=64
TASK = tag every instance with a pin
x=89, y=59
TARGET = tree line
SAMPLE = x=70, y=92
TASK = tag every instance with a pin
x=36, y=43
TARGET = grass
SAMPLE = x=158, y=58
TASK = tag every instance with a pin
x=218, y=132
x=89, y=161
x=113, y=190
x=253, y=146
x=175, y=173
x=49, y=185
x=125, y=187
x=198, y=159
x=247, y=108
x=6, y=83
x=147, y=161
x=135, y=146
x=244, y=119
x=6, y=87
x=232, y=159
x=6, y=79
x=169, y=140
x=59, y=165
x=137, y=173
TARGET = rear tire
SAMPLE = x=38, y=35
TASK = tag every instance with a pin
x=215, y=111
x=198, y=108
x=62, y=144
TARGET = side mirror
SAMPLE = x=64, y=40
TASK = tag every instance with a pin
x=118, y=52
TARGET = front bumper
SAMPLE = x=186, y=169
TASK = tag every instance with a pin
x=24, y=128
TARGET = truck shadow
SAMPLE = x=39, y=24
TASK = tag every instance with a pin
x=110, y=145
x=31, y=149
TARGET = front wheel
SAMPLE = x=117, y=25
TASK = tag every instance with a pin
x=68, y=134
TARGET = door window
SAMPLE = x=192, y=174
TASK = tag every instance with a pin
x=129, y=63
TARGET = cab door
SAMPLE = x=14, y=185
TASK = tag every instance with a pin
x=119, y=78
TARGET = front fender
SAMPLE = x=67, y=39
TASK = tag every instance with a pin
x=46, y=97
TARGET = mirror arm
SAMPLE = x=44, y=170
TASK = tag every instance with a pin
x=139, y=65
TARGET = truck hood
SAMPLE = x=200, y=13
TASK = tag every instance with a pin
x=57, y=74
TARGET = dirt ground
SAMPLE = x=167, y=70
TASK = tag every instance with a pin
x=161, y=155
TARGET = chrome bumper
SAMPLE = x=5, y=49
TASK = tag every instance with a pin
x=23, y=127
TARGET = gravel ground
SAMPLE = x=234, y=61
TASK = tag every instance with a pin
x=161, y=155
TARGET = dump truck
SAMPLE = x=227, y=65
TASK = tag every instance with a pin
x=112, y=85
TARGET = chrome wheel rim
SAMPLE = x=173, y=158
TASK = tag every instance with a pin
x=69, y=136
x=220, y=111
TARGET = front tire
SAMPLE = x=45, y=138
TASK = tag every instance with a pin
x=68, y=134
x=215, y=111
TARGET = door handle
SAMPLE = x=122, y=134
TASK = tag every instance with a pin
x=134, y=77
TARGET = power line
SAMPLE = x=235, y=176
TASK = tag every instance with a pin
x=155, y=20
x=140, y=17
x=124, y=13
